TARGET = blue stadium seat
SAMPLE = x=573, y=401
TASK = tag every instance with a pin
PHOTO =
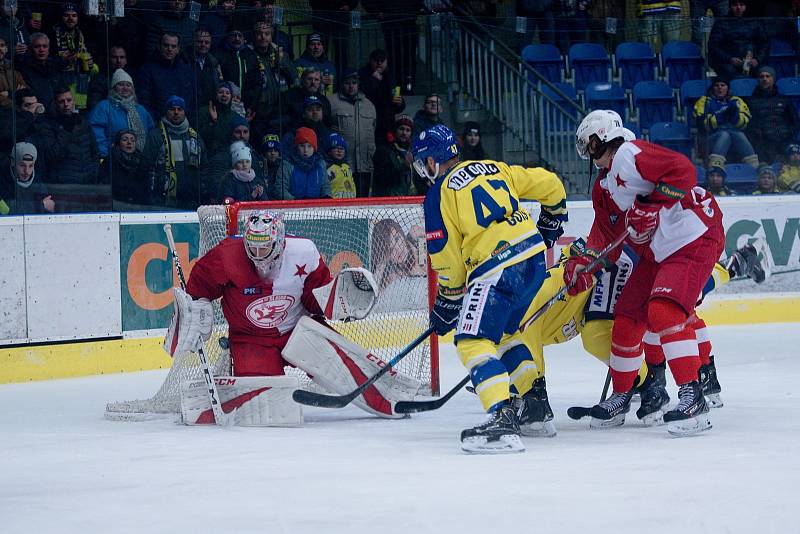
x=742, y=178
x=554, y=119
x=691, y=91
x=674, y=135
x=546, y=59
x=790, y=87
x=589, y=63
x=701, y=174
x=782, y=58
x=743, y=86
x=636, y=62
x=635, y=129
x=682, y=61
x=653, y=102
x=606, y=96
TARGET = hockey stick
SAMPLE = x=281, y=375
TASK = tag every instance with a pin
x=428, y=405
x=339, y=401
x=220, y=417
x=579, y=412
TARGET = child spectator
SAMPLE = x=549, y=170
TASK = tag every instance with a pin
x=124, y=170
x=278, y=170
x=789, y=178
x=473, y=149
x=339, y=174
x=766, y=180
x=309, y=178
x=715, y=182
x=241, y=183
x=18, y=192
x=236, y=101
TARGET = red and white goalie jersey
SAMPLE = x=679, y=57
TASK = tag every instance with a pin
x=666, y=178
x=260, y=313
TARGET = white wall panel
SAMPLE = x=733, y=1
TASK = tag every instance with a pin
x=13, y=323
x=73, y=278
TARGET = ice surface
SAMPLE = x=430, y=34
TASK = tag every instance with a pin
x=63, y=468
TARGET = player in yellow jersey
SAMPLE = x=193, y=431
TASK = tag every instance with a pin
x=488, y=255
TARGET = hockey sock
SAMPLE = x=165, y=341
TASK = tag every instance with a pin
x=703, y=339
x=653, y=354
x=626, y=352
x=678, y=341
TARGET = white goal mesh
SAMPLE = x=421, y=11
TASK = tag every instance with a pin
x=386, y=238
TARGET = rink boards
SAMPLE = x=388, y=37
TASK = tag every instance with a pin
x=90, y=294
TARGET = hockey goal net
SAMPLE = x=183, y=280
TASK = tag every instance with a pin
x=384, y=235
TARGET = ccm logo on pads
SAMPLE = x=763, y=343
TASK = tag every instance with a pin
x=436, y=234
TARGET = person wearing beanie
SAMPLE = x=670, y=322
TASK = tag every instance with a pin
x=789, y=177
x=766, y=180
x=724, y=119
x=473, y=149
x=124, y=170
x=293, y=101
x=715, y=182
x=214, y=121
x=242, y=183
x=314, y=56
x=312, y=118
x=775, y=122
x=278, y=172
x=393, y=174
x=120, y=111
x=339, y=174
x=174, y=154
x=737, y=45
x=239, y=64
x=19, y=192
x=356, y=119
x=309, y=177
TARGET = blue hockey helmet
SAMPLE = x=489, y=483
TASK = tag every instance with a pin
x=437, y=142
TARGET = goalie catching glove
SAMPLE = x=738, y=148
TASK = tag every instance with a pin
x=191, y=324
x=349, y=296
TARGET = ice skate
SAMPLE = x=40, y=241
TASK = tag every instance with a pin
x=654, y=397
x=498, y=435
x=753, y=260
x=710, y=385
x=534, y=413
x=690, y=416
x=611, y=412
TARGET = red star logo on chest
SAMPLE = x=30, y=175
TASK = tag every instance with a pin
x=620, y=181
x=301, y=270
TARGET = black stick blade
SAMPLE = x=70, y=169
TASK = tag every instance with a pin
x=309, y=398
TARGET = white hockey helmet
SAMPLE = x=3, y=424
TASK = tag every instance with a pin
x=264, y=239
x=605, y=124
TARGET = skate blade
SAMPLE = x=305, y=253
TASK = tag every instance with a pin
x=617, y=420
x=546, y=429
x=689, y=427
x=506, y=444
x=653, y=419
x=714, y=400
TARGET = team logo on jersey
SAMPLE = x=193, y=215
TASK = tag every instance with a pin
x=613, y=218
x=252, y=291
x=269, y=311
x=436, y=234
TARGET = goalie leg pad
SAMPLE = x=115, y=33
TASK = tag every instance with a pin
x=339, y=366
x=255, y=401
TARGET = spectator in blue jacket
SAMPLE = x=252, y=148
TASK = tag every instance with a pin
x=314, y=56
x=164, y=76
x=120, y=111
x=309, y=178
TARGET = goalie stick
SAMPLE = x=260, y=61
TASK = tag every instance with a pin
x=311, y=398
x=427, y=405
x=220, y=417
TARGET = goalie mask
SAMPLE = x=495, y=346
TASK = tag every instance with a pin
x=264, y=240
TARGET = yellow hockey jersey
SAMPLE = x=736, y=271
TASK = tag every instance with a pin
x=474, y=225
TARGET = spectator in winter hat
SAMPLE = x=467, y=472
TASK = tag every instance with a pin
x=774, y=122
x=309, y=178
x=789, y=178
x=312, y=117
x=242, y=183
x=214, y=121
x=339, y=174
x=123, y=169
x=293, y=100
x=715, y=182
x=473, y=149
x=393, y=175
x=120, y=111
x=314, y=56
x=278, y=169
x=19, y=193
x=766, y=180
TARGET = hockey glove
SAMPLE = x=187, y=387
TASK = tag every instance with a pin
x=549, y=226
x=445, y=313
x=575, y=269
x=642, y=218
